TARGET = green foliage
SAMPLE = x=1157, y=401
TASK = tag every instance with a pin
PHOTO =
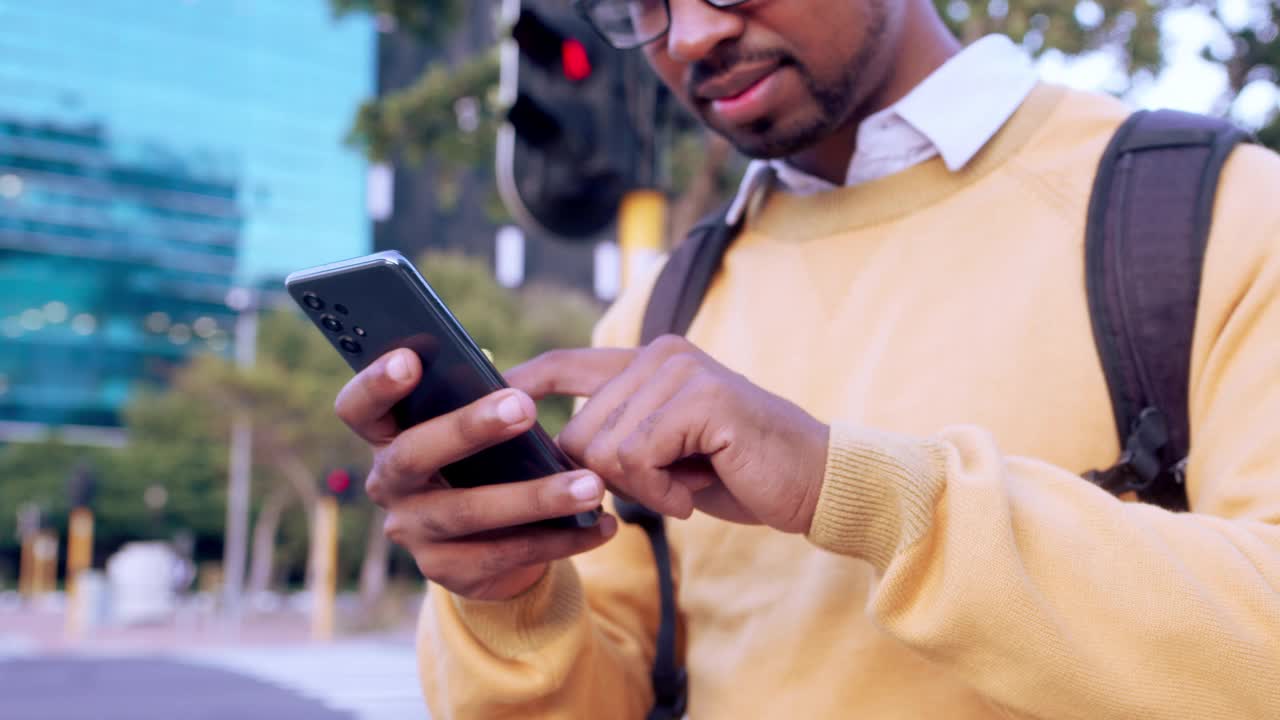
x=1127, y=26
x=421, y=121
x=38, y=473
x=179, y=437
x=514, y=326
x=176, y=444
x=427, y=118
x=429, y=20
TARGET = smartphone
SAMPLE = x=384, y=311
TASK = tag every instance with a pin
x=371, y=305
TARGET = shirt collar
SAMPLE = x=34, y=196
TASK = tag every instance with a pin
x=964, y=103
x=954, y=112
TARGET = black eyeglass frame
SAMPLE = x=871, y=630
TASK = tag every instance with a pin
x=583, y=8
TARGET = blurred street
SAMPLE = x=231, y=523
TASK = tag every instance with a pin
x=270, y=670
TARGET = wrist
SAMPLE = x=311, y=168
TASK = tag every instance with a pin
x=526, y=622
x=813, y=470
x=519, y=582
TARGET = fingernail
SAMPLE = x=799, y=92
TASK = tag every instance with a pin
x=511, y=410
x=607, y=526
x=586, y=488
x=398, y=368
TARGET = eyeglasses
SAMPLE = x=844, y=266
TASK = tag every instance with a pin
x=628, y=24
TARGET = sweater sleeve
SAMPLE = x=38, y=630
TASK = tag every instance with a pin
x=1057, y=600
x=578, y=644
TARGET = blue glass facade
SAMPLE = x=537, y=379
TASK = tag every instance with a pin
x=153, y=154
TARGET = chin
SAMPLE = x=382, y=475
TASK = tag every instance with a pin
x=765, y=139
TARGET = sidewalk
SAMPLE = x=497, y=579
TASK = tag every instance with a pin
x=269, y=668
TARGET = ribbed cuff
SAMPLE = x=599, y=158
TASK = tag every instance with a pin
x=878, y=493
x=529, y=621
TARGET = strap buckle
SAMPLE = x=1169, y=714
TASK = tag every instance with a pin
x=1140, y=464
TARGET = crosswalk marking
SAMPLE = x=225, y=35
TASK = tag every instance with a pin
x=374, y=681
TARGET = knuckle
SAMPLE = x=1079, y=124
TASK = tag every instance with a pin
x=440, y=572
x=434, y=525
x=706, y=385
x=375, y=487
x=551, y=357
x=525, y=550
x=472, y=427
x=615, y=416
x=344, y=407
x=668, y=344
x=600, y=454
x=399, y=462
x=631, y=452
x=546, y=497
x=395, y=529
x=681, y=364
x=574, y=440
x=463, y=517
x=498, y=560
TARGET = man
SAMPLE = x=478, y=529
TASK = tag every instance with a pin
x=869, y=448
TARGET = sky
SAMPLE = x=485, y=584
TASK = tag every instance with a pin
x=261, y=91
x=1188, y=82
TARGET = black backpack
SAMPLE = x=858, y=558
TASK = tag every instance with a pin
x=1148, y=224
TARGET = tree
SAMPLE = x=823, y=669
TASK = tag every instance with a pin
x=173, y=445
x=513, y=325
x=430, y=20
x=450, y=114
x=288, y=395
x=423, y=120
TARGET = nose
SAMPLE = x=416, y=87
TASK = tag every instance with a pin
x=697, y=27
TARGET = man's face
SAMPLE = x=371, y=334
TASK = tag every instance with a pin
x=776, y=76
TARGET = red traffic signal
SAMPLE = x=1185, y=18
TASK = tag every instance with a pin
x=574, y=60
x=338, y=482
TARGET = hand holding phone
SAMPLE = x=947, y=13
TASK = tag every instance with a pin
x=474, y=488
x=481, y=542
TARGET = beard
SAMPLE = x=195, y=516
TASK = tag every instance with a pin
x=834, y=102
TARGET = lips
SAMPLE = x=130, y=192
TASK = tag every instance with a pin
x=735, y=82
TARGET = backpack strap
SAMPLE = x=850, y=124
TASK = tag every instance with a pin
x=673, y=302
x=1148, y=224
x=677, y=294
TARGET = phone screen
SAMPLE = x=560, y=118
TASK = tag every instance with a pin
x=370, y=306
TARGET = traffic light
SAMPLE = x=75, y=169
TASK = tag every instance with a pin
x=82, y=486
x=569, y=149
x=340, y=484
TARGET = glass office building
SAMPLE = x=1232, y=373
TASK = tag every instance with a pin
x=152, y=156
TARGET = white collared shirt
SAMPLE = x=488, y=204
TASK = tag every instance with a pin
x=953, y=113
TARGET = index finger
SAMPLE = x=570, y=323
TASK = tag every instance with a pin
x=581, y=372
x=365, y=402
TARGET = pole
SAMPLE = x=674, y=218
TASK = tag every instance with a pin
x=641, y=225
x=27, y=566
x=79, y=545
x=79, y=559
x=325, y=572
x=239, y=476
x=44, y=553
x=28, y=522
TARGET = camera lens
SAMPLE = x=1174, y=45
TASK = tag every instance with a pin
x=313, y=301
x=349, y=345
x=331, y=323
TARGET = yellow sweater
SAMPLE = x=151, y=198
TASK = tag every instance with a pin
x=958, y=567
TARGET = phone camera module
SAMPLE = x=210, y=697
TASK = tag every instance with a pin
x=342, y=309
x=313, y=301
x=358, y=331
x=350, y=345
x=331, y=323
